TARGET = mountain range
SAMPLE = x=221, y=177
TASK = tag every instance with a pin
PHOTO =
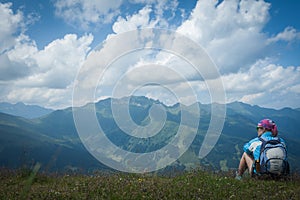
x=22, y=110
x=52, y=139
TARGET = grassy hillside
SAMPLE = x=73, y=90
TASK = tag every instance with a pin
x=53, y=140
x=190, y=185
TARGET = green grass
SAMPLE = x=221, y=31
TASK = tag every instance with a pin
x=189, y=185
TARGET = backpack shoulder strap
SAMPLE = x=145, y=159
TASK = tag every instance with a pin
x=264, y=142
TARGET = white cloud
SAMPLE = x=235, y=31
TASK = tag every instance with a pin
x=161, y=11
x=53, y=67
x=85, y=13
x=289, y=34
x=11, y=70
x=48, y=97
x=10, y=24
x=13, y=41
x=17, y=63
x=231, y=31
x=132, y=69
x=50, y=80
x=140, y=20
x=160, y=6
x=37, y=76
x=265, y=84
x=60, y=60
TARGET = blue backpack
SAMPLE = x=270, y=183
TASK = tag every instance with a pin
x=273, y=158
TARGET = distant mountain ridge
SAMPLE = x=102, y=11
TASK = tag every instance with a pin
x=22, y=110
x=52, y=139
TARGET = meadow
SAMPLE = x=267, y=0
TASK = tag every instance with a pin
x=196, y=184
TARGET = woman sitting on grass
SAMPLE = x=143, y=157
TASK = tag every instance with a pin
x=276, y=159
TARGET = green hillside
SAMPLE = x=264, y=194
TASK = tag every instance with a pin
x=189, y=185
x=53, y=141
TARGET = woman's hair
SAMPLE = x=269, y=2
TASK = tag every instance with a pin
x=274, y=130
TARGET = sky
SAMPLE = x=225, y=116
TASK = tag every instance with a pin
x=255, y=46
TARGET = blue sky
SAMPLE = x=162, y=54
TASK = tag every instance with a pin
x=254, y=44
